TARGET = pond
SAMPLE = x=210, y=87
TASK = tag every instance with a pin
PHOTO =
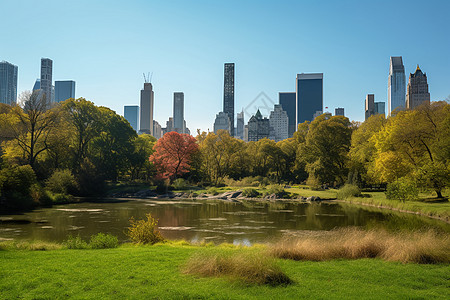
x=203, y=220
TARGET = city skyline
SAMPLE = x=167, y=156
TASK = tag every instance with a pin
x=324, y=38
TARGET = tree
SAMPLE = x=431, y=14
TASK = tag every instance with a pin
x=173, y=155
x=139, y=165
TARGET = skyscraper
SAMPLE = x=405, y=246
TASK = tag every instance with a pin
x=178, y=112
x=396, y=84
x=417, y=89
x=369, y=109
x=309, y=89
x=228, y=94
x=46, y=78
x=240, y=125
x=64, y=90
x=131, y=114
x=157, y=131
x=8, y=83
x=339, y=111
x=380, y=108
x=287, y=101
x=147, y=99
x=37, y=85
x=278, y=121
x=222, y=122
x=258, y=127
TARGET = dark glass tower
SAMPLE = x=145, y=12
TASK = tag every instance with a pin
x=178, y=112
x=309, y=96
x=287, y=101
x=64, y=90
x=8, y=83
x=228, y=94
x=46, y=78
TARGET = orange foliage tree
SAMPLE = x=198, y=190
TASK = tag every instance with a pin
x=173, y=155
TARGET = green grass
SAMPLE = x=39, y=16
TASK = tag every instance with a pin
x=149, y=272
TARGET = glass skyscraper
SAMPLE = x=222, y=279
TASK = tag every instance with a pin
x=147, y=100
x=287, y=101
x=309, y=89
x=228, y=93
x=396, y=84
x=46, y=78
x=64, y=90
x=178, y=112
x=131, y=114
x=8, y=83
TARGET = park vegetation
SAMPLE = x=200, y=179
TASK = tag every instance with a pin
x=74, y=148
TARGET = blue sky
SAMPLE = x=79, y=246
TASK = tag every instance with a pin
x=105, y=46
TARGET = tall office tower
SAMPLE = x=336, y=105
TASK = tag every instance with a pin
x=147, y=100
x=380, y=108
x=279, y=120
x=169, y=126
x=46, y=78
x=309, y=89
x=37, y=85
x=258, y=127
x=417, y=89
x=8, y=83
x=228, y=94
x=287, y=101
x=240, y=125
x=157, y=130
x=396, y=84
x=64, y=90
x=222, y=122
x=369, y=106
x=178, y=112
x=131, y=114
x=339, y=111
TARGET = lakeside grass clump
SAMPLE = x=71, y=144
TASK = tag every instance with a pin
x=30, y=245
x=252, y=268
x=144, y=231
x=97, y=241
x=351, y=243
x=347, y=191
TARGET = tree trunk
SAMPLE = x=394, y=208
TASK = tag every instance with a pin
x=439, y=193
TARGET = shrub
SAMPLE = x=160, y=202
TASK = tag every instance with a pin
x=212, y=191
x=276, y=189
x=144, y=231
x=75, y=243
x=62, y=182
x=402, y=189
x=250, y=192
x=103, y=241
x=40, y=196
x=257, y=269
x=15, y=186
x=347, y=191
x=179, y=184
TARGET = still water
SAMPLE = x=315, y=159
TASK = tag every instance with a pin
x=203, y=220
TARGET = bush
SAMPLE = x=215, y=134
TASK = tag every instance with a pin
x=103, y=241
x=15, y=186
x=40, y=196
x=403, y=189
x=348, y=191
x=144, y=231
x=179, y=184
x=75, y=243
x=276, y=189
x=62, y=182
x=250, y=192
x=212, y=191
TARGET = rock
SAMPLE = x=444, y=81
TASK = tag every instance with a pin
x=313, y=199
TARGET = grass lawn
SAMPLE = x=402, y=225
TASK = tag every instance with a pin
x=149, y=272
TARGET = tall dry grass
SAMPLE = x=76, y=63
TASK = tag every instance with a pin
x=351, y=243
x=251, y=268
x=31, y=246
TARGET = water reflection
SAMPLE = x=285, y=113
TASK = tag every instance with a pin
x=216, y=221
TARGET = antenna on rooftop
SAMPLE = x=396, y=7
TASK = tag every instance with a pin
x=148, y=78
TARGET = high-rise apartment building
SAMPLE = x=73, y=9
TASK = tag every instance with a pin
x=369, y=109
x=339, y=111
x=222, y=122
x=380, y=108
x=178, y=112
x=278, y=121
x=37, y=85
x=228, y=93
x=131, y=114
x=47, y=78
x=288, y=103
x=240, y=125
x=64, y=90
x=417, y=92
x=258, y=127
x=8, y=83
x=396, y=84
x=157, y=130
x=309, y=89
x=147, y=100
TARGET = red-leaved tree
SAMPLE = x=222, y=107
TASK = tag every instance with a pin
x=173, y=155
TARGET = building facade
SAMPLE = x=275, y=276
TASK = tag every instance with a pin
x=258, y=128
x=8, y=83
x=369, y=108
x=157, y=130
x=37, y=85
x=279, y=122
x=240, y=125
x=396, y=84
x=417, y=92
x=309, y=89
x=339, y=111
x=47, y=78
x=131, y=114
x=64, y=90
x=147, y=101
x=287, y=101
x=178, y=112
x=228, y=93
x=222, y=122
x=380, y=108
